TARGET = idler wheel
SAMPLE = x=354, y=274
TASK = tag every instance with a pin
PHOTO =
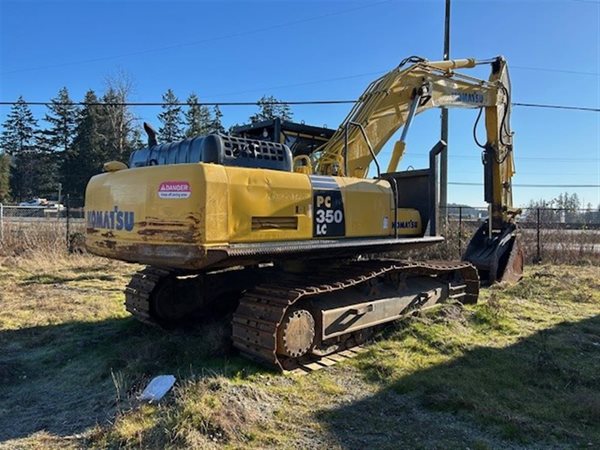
x=296, y=334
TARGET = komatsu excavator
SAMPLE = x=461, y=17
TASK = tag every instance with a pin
x=296, y=246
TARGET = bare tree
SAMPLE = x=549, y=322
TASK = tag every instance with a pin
x=117, y=121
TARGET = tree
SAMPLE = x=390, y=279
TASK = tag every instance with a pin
x=21, y=139
x=86, y=156
x=62, y=118
x=569, y=202
x=4, y=177
x=197, y=118
x=137, y=141
x=545, y=207
x=563, y=208
x=20, y=132
x=216, y=126
x=171, y=129
x=57, y=139
x=117, y=123
x=271, y=108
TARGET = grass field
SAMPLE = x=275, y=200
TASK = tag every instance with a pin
x=519, y=370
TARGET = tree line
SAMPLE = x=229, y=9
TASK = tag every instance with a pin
x=564, y=208
x=78, y=139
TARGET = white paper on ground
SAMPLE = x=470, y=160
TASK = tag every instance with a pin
x=157, y=388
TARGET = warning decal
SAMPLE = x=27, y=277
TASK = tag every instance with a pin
x=174, y=189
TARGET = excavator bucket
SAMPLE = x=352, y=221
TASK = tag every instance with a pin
x=497, y=258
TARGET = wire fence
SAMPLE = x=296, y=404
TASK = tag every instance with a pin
x=556, y=235
x=46, y=228
x=548, y=234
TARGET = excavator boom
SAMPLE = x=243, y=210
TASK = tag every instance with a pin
x=416, y=85
x=391, y=102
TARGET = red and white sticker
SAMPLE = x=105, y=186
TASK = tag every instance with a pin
x=174, y=189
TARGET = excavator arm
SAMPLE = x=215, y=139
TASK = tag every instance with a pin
x=392, y=101
x=416, y=85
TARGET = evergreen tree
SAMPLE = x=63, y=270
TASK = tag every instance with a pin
x=216, y=125
x=62, y=117
x=4, y=177
x=20, y=133
x=57, y=139
x=171, y=129
x=137, y=141
x=88, y=153
x=197, y=118
x=270, y=108
x=20, y=138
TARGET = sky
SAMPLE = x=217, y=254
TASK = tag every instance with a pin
x=328, y=50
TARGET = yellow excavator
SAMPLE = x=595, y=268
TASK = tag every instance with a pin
x=295, y=239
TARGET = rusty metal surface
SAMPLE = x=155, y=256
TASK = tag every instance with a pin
x=194, y=257
x=174, y=256
x=295, y=336
x=513, y=271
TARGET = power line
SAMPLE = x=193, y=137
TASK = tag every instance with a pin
x=572, y=108
x=461, y=183
x=279, y=102
x=256, y=103
x=378, y=73
x=269, y=28
x=517, y=158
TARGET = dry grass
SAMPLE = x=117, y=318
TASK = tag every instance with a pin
x=557, y=246
x=43, y=236
x=518, y=370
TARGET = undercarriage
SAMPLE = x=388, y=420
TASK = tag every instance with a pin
x=295, y=319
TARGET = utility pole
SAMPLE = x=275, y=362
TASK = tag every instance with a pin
x=444, y=132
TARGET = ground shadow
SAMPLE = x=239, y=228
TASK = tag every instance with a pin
x=543, y=391
x=65, y=378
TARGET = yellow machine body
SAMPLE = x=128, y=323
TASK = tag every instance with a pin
x=297, y=231
x=182, y=216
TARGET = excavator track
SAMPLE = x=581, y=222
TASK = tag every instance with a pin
x=263, y=309
x=138, y=291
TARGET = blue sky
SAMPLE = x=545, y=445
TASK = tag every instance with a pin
x=238, y=51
